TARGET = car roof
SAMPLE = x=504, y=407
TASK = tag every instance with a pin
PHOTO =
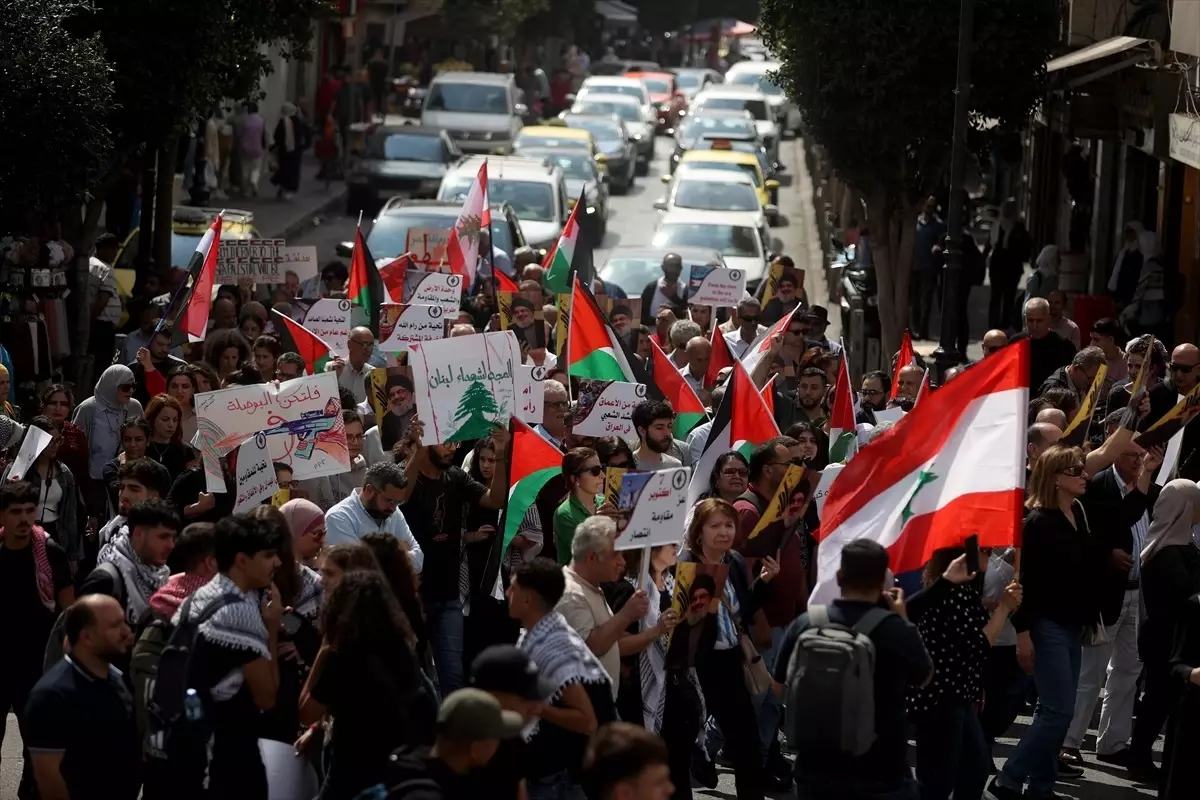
x=449, y=207
x=692, y=216
x=501, y=167
x=600, y=97
x=609, y=118
x=698, y=173
x=612, y=80
x=740, y=113
x=723, y=156
x=561, y=131
x=493, y=78
x=641, y=75
x=725, y=90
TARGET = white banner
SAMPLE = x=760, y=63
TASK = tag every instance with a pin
x=605, y=408
x=531, y=393
x=299, y=260
x=716, y=286
x=651, y=508
x=35, y=442
x=464, y=386
x=255, y=474
x=435, y=289
x=400, y=324
x=329, y=320
x=302, y=420
x=256, y=259
x=428, y=246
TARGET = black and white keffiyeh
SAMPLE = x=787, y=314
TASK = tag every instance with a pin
x=238, y=626
x=310, y=595
x=141, y=579
x=562, y=657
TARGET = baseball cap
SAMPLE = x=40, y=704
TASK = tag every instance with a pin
x=472, y=715
x=505, y=668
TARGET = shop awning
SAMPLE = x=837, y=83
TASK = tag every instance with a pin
x=1134, y=50
x=616, y=11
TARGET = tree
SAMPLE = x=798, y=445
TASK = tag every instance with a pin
x=501, y=18
x=875, y=82
x=474, y=404
x=56, y=96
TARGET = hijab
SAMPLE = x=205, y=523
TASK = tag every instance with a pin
x=301, y=515
x=1173, y=516
x=105, y=436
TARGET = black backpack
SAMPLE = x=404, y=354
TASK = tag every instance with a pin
x=54, y=645
x=169, y=734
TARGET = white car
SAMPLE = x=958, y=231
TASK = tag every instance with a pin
x=699, y=189
x=740, y=237
x=536, y=190
x=749, y=98
x=612, y=84
x=755, y=75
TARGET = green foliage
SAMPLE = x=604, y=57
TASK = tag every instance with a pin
x=875, y=80
x=503, y=18
x=55, y=98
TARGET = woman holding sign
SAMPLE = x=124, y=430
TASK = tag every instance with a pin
x=585, y=486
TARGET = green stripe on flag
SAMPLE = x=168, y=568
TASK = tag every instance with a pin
x=600, y=365
x=685, y=422
x=521, y=497
x=841, y=448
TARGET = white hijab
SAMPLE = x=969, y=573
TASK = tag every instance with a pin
x=1174, y=513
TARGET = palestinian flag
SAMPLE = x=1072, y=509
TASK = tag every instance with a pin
x=843, y=433
x=312, y=348
x=366, y=286
x=189, y=309
x=689, y=411
x=741, y=423
x=762, y=345
x=534, y=462
x=505, y=283
x=558, y=260
x=768, y=395
x=594, y=349
x=905, y=357
x=953, y=468
x=721, y=358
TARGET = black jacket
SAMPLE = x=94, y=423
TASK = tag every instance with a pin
x=1112, y=518
x=1168, y=580
x=1046, y=355
x=1162, y=399
x=650, y=313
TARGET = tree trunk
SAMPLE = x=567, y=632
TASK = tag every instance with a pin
x=145, y=246
x=164, y=203
x=893, y=236
x=83, y=317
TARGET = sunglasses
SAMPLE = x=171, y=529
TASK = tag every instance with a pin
x=745, y=318
x=595, y=471
x=1177, y=367
x=739, y=472
x=1073, y=471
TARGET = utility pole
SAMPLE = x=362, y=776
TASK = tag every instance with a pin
x=947, y=355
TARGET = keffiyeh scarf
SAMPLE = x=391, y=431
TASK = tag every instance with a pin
x=179, y=587
x=310, y=594
x=652, y=666
x=141, y=579
x=562, y=657
x=238, y=626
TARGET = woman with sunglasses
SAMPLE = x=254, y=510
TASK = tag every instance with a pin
x=585, y=486
x=100, y=416
x=1061, y=563
x=59, y=502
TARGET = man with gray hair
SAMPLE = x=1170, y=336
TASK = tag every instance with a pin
x=682, y=331
x=593, y=564
x=1077, y=376
x=748, y=331
x=1047, y=350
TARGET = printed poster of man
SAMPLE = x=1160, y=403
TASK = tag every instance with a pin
x=391, y=394
x=696, y=599
x=782, y=291
x=521, y=312
x=622, y=313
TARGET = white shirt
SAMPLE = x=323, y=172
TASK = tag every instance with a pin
x=696, y=383
x=737, y=345
x=1139, y=530
x=648, y=459
x=697, y=439
x=353, y=379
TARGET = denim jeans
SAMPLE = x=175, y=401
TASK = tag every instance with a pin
x=767, y=706
x=1057, y=651
x=444, y=619
x=952, y=755
x=558, y=786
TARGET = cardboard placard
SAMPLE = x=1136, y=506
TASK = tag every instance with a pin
x=767, y=535
x=531, y=393
x=428, y=246
x=300, y=261
x=651, y=507
x=434, y=289
x=716, y=286
x=400, y=324
x=255, y=474
x=258, y=260
x=36, y=440
x=697, y=600
x=605, y=408
x=522, y=313
x=330, y=321
x=828, y=475
x=464, y=386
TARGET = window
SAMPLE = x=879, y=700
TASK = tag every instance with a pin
x=389, y=236
x=530, y=200
x=760, y=82
x=628, y=112
x=739, y=241
x=749, y=169
x=406, y=147
x=689, y=80
x=657, y=85
x=468, y=98
x=573, y=165
x=696, y=127
x=709, y=196
x=757, y=108
x=601, y=130
x=636, y=92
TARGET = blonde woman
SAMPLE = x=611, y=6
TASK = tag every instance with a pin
x=1060, y=565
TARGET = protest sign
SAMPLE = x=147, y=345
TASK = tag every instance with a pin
x=521, y=313
x=696, y=600
x=563, y=323
x=464, y=386
x=1172, y=422
x=893, y=415
x=716, y=286
x=36, y=440
x=390, y=386
x=329, y=320
x=773, y=307
x=428, y=246
x=299, y=261
x=612, y=484
x=605, y=408
x=651, y=507
x=785, y=507
x=400, y=324
x=254, y=259
x=255, y=474
x=623, y=314
x=531, y=393
x=435, y=289
x=1077, y=431
x=302, y=420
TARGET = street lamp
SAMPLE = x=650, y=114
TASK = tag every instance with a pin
x=947, y=354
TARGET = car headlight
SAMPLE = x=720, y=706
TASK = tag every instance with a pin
x=637, y=137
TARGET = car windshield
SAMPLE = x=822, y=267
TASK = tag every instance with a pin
x=738, y=146
x=389, y=237
x=527, y=140
x=757, y=108
x=636, y=92
x=732, y=166
x=406, y=147
x=688, y=80
x=574, y=165
x=627, y=112
x=531, y=200
x=760, y=82
x=709, y=196
x=633, y=273
x=600, y=129
x=695, y=127
x=657, y=85
x=467, y=98
x=739, y=241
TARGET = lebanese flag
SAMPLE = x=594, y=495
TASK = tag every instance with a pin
x=768, y=395
x=953, y=467
x=742, y=422
x=559, y=259
x=678, y=392
x=312, y=348
x=762, y=345
x=365, y=289
x=594, y=349
x=463, y=248
x=905, y=357
x=721, y=358
x=197, y=301
x=534, y=461
x=843, y=433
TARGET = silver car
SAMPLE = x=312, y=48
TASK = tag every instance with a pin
x=628, y=110
x=480, y=110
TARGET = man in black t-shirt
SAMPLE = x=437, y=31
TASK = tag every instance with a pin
x=79, y=727
x=35, y=580
x=435, y=499
x=900, y=662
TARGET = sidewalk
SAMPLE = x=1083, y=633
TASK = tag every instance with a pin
x=289, y=219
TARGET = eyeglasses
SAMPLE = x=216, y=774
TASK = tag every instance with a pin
x=871, y=392
x=1177, y=367
x=595, y=471
x=1073, y=471
x=735, y=472
x=365, y=345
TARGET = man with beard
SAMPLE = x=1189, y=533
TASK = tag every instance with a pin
x=289, y=366
x=786, y=298
x=530, y=331
x=666, y=292
x=622, y=320
x=374, y=507
x=327, y=490
x=873, y=395
x=133, y=566
x=1162, y=396
x=435, y=494
x=652, y=421
x=384, y=440
x=81, y=732
x=161, y=359
x=810, y=391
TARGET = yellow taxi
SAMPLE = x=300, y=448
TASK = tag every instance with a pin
x=729, y=159
x=557, y=137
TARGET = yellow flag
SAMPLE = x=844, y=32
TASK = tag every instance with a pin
x=1089, y=402
x=779, y=503
x=1171, y=422
x=379, y=396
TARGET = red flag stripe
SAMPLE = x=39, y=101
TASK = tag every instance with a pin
x=721, y=358
x=993, y=516
x=906, y=357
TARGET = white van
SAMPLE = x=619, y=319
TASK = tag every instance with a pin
x=481, y=111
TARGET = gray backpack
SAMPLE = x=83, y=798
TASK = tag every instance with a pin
x=831, y=685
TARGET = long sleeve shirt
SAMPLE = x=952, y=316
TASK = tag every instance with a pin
x=348, y=521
